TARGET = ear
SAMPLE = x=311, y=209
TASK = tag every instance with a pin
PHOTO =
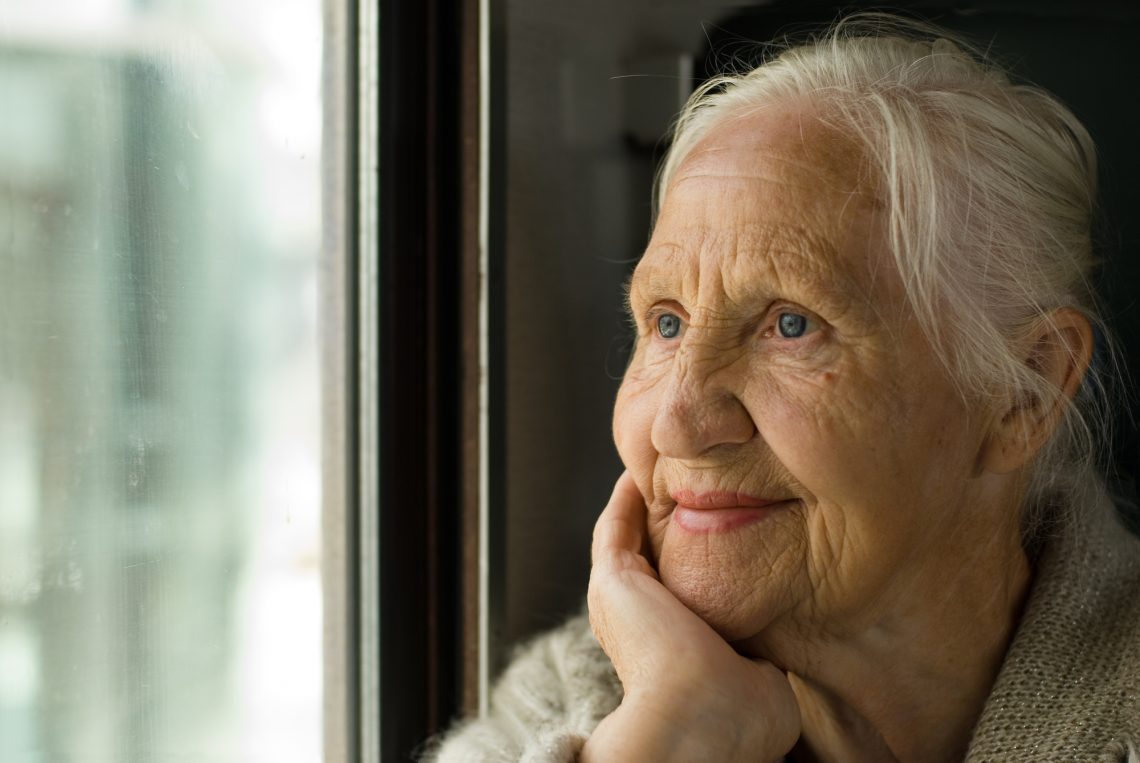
x=1060, y=349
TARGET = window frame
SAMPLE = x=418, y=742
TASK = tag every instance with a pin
x=408, y=381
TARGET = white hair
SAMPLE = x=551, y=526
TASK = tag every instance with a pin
x=989, y=188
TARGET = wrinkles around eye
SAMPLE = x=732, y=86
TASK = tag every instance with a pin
x=730, y=330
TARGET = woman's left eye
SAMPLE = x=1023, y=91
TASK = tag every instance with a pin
x=668, y=325
x=793, y=325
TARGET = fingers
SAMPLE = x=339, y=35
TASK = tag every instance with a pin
x=616, y=552
x=621, y=526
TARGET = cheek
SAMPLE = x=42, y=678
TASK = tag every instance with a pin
x=871, y=447
x=833, y=432
x=634, y=411
x=835, y=439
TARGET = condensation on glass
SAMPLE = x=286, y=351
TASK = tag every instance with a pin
x=160, y=481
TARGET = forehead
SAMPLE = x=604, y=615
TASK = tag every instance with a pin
x=784, y=142
x=773, y=196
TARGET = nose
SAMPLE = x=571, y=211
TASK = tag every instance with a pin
x=700, y=410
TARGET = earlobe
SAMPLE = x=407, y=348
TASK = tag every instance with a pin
x=1060, y=350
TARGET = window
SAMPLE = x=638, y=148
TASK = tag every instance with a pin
x=160, y=460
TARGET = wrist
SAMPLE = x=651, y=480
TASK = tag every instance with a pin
x=631, y=734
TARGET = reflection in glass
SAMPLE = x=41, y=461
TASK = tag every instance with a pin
x=159, y=433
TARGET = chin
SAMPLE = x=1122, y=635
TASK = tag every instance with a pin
x=733, y=612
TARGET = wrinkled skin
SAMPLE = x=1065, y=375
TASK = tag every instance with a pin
x=856, y=419
x=892, y=572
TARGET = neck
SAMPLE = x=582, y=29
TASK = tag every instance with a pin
x=909, y=686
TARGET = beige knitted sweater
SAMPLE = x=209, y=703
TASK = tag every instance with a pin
x=1069, y=689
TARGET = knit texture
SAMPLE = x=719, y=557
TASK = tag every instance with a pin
x=1069, y=689
x=556, y=690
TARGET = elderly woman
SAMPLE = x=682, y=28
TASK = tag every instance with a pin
x=860, y=518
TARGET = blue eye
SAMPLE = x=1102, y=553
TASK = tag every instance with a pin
x=791, y=325
x=668, y=325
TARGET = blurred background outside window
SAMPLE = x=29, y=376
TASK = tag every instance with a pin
x=160, y=480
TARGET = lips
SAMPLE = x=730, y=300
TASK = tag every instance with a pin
x=720, y=499
x=721, y=511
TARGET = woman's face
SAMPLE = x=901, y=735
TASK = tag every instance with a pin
x=779, y=363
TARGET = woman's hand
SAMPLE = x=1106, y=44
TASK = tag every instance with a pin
x=688, y=694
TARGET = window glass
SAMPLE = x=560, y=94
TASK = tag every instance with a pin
x=159, y=402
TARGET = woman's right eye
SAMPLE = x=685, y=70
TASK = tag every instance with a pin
x=668, y=325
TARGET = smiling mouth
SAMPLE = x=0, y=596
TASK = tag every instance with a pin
x=721, y=511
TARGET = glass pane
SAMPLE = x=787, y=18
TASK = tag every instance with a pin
x=159, y=432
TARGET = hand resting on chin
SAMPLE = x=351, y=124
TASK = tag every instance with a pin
x=688, y=694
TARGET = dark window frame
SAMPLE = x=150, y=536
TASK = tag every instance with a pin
x=430, y=475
